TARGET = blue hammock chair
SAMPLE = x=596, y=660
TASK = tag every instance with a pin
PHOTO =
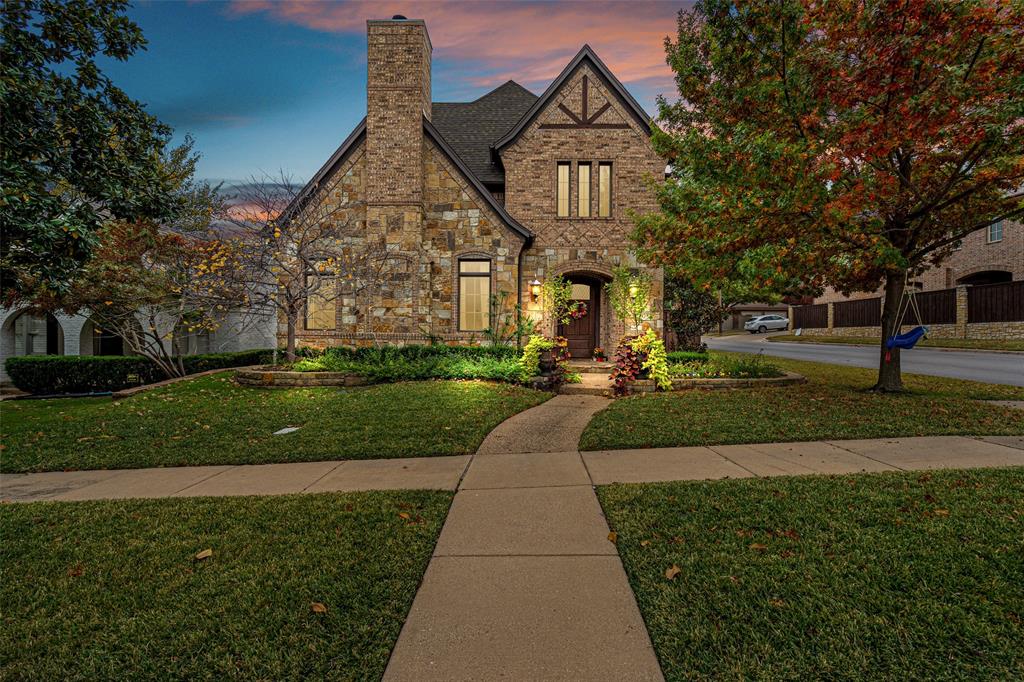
x=910, y=339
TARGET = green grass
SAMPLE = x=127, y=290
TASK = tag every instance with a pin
x=212, y=420
x=867, y=577
x=975, y=344
x=111, y=590
x=834, y=403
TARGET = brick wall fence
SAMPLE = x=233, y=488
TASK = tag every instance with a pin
x=994, y=311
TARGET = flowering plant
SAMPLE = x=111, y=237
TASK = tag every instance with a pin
x=599, y=354
x=577, y=310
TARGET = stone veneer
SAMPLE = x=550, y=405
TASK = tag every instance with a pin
x=405, y=193
x=593, y=245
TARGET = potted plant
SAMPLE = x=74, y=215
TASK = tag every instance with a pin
x=599, y=354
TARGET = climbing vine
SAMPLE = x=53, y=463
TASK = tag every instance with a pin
x=629, y=294
x=556, y=293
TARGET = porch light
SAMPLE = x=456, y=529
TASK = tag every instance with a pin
x=633, y=290
x=535, y=290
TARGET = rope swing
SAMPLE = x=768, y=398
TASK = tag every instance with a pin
x=910, y=339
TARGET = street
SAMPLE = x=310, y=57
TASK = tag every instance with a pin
x=994, y=368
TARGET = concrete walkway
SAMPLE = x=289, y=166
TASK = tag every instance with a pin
x=525, y=583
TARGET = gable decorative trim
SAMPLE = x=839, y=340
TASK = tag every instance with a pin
x=588, y=54
x=585, y=119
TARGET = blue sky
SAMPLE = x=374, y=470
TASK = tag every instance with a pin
x=264, y=85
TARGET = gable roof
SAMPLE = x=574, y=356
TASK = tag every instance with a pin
x=471, y=127
x=359, y=134
x=585, y=54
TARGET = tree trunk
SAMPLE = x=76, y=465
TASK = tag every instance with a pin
x=890, y=380
x=290, y=349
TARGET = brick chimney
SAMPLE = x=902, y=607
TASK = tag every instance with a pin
x=397, y=98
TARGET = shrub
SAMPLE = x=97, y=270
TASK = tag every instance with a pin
x=725, y=367
x=637, y=354
x=681, y=356
x=382, y=365
x=45, y=374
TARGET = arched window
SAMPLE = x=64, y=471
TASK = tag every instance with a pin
x=474, y=294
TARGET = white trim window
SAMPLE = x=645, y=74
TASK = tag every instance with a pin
x=995, y=233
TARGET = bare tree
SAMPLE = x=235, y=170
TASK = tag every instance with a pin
x=295, y=244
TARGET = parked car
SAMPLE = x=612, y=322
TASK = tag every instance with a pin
x=765, y=323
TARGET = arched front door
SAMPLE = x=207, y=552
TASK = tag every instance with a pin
x=582, y=333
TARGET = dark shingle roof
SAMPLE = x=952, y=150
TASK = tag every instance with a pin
x=472, y=127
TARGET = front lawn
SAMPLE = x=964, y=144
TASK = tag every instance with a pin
x=876, y=576
x=113, y=590
x=211, y=420
x=833, y=404
x=966, y=344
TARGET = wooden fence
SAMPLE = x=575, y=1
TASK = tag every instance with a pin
x=996, y=302
x=865, y=312
x=937, y=307
x=810, y=317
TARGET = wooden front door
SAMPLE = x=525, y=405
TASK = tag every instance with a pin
x=582, y=333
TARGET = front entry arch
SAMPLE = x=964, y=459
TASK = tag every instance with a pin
x=583, y=334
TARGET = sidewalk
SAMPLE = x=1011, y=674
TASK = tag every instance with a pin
x=445, y=473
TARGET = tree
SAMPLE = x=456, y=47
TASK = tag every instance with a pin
x=629, y=294
x=692, y=310
x=75, y=151
x=849, y=144
x=296, y=244
x=148, y=283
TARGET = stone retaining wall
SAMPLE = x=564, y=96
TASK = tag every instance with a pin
x=272, y=378
x=788, y=379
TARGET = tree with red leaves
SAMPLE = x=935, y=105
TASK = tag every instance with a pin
x=844, y=144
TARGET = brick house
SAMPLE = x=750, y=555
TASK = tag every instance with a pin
x=479, y=201
x=988, y=256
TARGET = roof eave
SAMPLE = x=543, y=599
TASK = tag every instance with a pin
x=512, y=223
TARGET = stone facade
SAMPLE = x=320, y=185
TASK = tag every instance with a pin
x=582, y=245
x=405, y=188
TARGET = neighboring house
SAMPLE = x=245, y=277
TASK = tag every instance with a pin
x=25, y=332
x=485, y=199
x=991, y=255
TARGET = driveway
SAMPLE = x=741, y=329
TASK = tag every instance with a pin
x=993, y=368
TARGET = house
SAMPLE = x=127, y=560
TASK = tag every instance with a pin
x=992, y=255
x=29, y=332
x=478, y=203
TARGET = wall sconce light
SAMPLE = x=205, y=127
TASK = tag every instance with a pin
x=633, y=290
x=535, y=290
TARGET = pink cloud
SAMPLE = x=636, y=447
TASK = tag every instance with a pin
x=529, y=42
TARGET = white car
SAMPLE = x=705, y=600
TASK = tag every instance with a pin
x=765, y=323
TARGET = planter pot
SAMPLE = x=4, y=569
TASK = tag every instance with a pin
x=547, y=362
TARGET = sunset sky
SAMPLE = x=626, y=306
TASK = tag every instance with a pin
x=267, y=85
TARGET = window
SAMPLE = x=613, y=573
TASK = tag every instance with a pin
x=995, y=232
x=563, y=189
x=583, y=193
x=474, y=295
x=320, y=308
x=604, y=189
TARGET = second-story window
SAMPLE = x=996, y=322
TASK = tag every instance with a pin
x=604, y=189
x=583, y=191
x=995, y=232
x=562, y=191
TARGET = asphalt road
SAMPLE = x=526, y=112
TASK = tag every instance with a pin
x=993, y=368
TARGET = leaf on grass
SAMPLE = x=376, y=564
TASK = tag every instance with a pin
x=941, y=512
x=672, y=571
x=205, y=554
x=76, y=571
x=613, y=536
x=758, y=547
x=404, y=515
x=777, y=602
x=644, y=543
x=317, y=607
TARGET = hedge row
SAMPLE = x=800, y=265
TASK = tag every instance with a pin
x=388, y=354
x=46, y=374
